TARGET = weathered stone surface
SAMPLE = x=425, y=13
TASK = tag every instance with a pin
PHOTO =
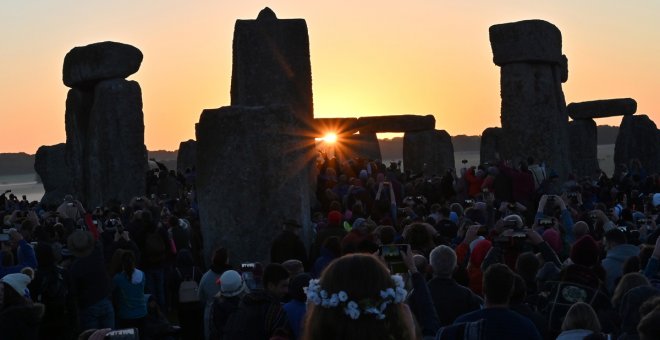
x=105, y=150
x=396, y=123
x=86, y=65
x=584, y=149
x=430, y=151
x=602, y=108
x=638, y=139
x=78, y=105
x=490, y=145
x=525, y=41
x=187, y=155
x=50, y=164
x=534, y=119
x=116, y=154
x=253, y=169
x=271, y=64
x=363, y=145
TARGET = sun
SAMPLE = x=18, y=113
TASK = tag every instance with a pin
x=330, y=138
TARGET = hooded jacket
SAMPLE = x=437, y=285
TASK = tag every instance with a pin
x=614, y=260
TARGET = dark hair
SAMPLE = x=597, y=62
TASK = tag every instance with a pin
x=527, y=265
x=498, y=284
x=274, y=273
x=387, y=234
x=333, y=244
x=334, y=205
x=418, y=238
x=128, y=263
x=616, y=235
x=219, y=258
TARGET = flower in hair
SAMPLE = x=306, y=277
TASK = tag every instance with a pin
x=353, y=309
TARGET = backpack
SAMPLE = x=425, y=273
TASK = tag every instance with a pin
x=54, y=289
x=154, y=247
x=563, y=296
x=188, y=289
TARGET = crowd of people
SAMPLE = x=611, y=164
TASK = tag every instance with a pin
x=498, y=251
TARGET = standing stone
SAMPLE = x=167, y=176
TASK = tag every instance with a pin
x=116, y=158
x=363, y=145
x=584, y=147
x=86, y=65
x=253, y=169
x=78, y=105
x=271, y=64
x=430, y=152
x=638, y=138
x=490, y=145
x=187, y=155
x=533, y=116
x=105, y=152
x=50, y=164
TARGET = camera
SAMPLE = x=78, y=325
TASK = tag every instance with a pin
x=546, y=222
x=251, y=275
x=464, y=161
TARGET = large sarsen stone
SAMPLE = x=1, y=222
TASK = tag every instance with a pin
x=253, y=173
x=430, y=152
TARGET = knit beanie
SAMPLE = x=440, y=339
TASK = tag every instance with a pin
x=19, y=282
x=334, y=218
x=585, y=251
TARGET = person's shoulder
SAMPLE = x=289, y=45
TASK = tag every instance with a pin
x=471, y=316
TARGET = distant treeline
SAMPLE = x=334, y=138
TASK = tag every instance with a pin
x=23, y=163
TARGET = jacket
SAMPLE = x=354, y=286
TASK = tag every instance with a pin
x=613, y=262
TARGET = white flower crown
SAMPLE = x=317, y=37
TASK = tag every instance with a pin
x=354, y=309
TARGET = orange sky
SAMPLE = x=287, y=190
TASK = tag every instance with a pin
x=368, y=58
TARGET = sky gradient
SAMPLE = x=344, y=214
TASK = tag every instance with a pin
x=368, y=58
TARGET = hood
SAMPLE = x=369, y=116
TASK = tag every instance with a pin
x=622, y=252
